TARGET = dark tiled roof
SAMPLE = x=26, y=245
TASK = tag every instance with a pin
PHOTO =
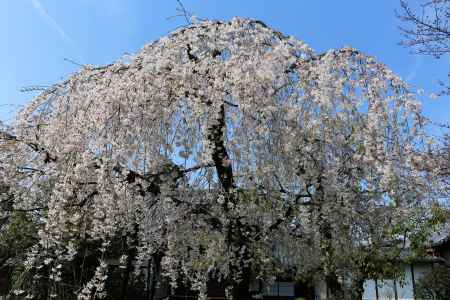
x=441, y=236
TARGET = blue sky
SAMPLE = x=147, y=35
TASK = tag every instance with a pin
x=37, y=35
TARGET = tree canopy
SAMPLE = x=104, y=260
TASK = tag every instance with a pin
x=224, y=150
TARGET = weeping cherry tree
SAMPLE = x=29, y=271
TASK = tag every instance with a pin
x=224, y=151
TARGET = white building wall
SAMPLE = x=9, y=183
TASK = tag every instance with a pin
x=386, y=288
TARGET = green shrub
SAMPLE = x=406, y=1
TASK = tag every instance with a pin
x=435, y=284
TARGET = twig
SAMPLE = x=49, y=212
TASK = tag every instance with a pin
x=182, y=13
x=73, y=62
x=186, y=14
x=33, y=88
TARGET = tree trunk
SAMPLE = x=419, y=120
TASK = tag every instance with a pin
x=236, y=237
x=334, y=287
x=155, y=273
x=215, y=135
x=358, y=287
x=126, y=278
x=131, y=254
x=241, y=290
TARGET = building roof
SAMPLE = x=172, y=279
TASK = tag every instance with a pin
x=441, y=236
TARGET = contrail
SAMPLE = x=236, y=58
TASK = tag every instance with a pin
x=51, y=22
x=418, y=60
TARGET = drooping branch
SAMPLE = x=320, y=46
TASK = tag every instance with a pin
x=48, y=157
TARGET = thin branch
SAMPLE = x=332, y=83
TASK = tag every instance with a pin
x=183, y=13
x=230, y=103
x=73, y=62
x=33, y=88
x=34, y=146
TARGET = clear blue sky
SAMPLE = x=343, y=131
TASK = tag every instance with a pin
x=36, y=36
